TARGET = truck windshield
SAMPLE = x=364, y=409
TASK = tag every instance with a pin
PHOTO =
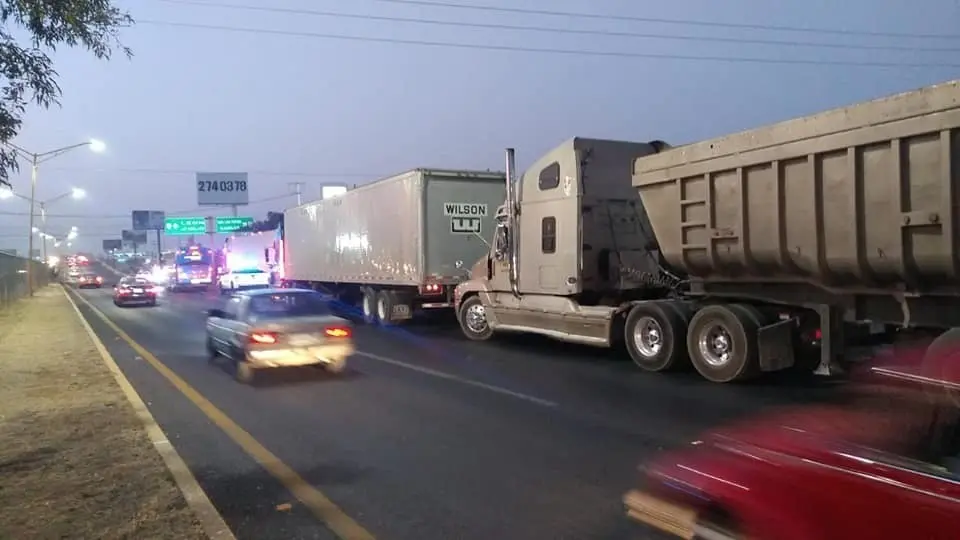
x=293, y=304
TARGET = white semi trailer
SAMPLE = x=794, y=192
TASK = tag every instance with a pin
x=395, y=246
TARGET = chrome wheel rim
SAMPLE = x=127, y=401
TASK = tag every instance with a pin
x=648, y=336
x=476, y=319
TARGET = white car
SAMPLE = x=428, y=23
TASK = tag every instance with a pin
x=247, y=278
x=276, y=328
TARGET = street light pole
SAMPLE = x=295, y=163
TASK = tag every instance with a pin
x=34, y=165
x=35, y=160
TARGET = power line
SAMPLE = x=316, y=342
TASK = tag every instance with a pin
x=191, y=172
x=569, y=52
x=555, y=30
x=198, y=210
x=687, y=22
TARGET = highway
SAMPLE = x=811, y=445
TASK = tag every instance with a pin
x=426, y=436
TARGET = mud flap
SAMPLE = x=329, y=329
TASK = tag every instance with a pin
x=776, y=345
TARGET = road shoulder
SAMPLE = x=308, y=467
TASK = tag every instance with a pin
x=76, y=460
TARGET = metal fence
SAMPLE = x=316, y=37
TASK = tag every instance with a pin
x=13, y=277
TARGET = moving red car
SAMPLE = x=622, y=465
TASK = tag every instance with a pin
x=89, y=281
x=881, y=465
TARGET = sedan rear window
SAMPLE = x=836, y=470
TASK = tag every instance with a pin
x=299, y=304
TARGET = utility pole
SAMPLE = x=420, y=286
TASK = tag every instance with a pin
x=297, y=189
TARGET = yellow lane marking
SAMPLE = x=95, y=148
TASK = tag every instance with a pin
x=319, y=504
x=211, y=520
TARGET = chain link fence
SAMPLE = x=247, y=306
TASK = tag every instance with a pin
x=13, y=277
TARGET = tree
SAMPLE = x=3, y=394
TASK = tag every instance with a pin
x=27, y=73
x=274, y=220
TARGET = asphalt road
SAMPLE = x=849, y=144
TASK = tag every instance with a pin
x=426, y=436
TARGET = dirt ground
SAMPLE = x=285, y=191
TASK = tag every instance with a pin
x=75, y=461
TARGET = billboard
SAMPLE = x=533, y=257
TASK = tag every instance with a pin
x=148, y=220
x=135, y=237
x=222, y=189
x=111, y=245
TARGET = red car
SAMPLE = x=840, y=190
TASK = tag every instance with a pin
x=89, y=280
x=883, y=464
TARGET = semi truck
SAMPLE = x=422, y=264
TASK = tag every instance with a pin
x=771, y=249
x=396, y=246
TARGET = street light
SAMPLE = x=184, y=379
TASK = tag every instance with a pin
x=35, y=159
x=74, y=193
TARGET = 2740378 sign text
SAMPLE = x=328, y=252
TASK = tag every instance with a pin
x=222, y=189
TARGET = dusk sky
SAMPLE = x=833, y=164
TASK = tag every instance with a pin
x=273, y=94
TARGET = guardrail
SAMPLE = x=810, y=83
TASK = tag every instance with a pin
x=13, y=278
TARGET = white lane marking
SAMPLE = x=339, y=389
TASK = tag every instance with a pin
x=434, y=373
x=461, y=380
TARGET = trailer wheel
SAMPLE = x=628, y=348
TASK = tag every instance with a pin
x=652, y=333
x=385, y=303
x=369, y=305
x=473, y=319
x=722, y=343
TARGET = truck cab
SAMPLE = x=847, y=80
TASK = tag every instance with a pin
x=572, y=244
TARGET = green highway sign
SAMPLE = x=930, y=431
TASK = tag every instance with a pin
x=232, y=224
x=184, y=226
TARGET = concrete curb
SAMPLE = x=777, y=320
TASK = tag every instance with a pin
x=208, y=516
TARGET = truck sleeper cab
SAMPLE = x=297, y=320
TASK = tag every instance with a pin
x=572, y=251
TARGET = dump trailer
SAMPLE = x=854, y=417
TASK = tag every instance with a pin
x=395, y=246
x=766, y=250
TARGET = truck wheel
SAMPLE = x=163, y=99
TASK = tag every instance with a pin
x=385, y=308
x=722, y=343
x=369, y=305
x=473, y=319
x=652, y=333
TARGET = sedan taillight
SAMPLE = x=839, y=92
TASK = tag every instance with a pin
x=264, y=338
x=337, y=331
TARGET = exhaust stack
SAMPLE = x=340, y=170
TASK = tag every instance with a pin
x=513, y=253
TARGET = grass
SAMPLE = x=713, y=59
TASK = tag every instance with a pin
x=75, y=461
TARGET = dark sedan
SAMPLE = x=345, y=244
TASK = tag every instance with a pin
x=134, y=291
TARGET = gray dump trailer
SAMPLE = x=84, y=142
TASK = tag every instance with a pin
x=760, y=251
x=394, y=246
